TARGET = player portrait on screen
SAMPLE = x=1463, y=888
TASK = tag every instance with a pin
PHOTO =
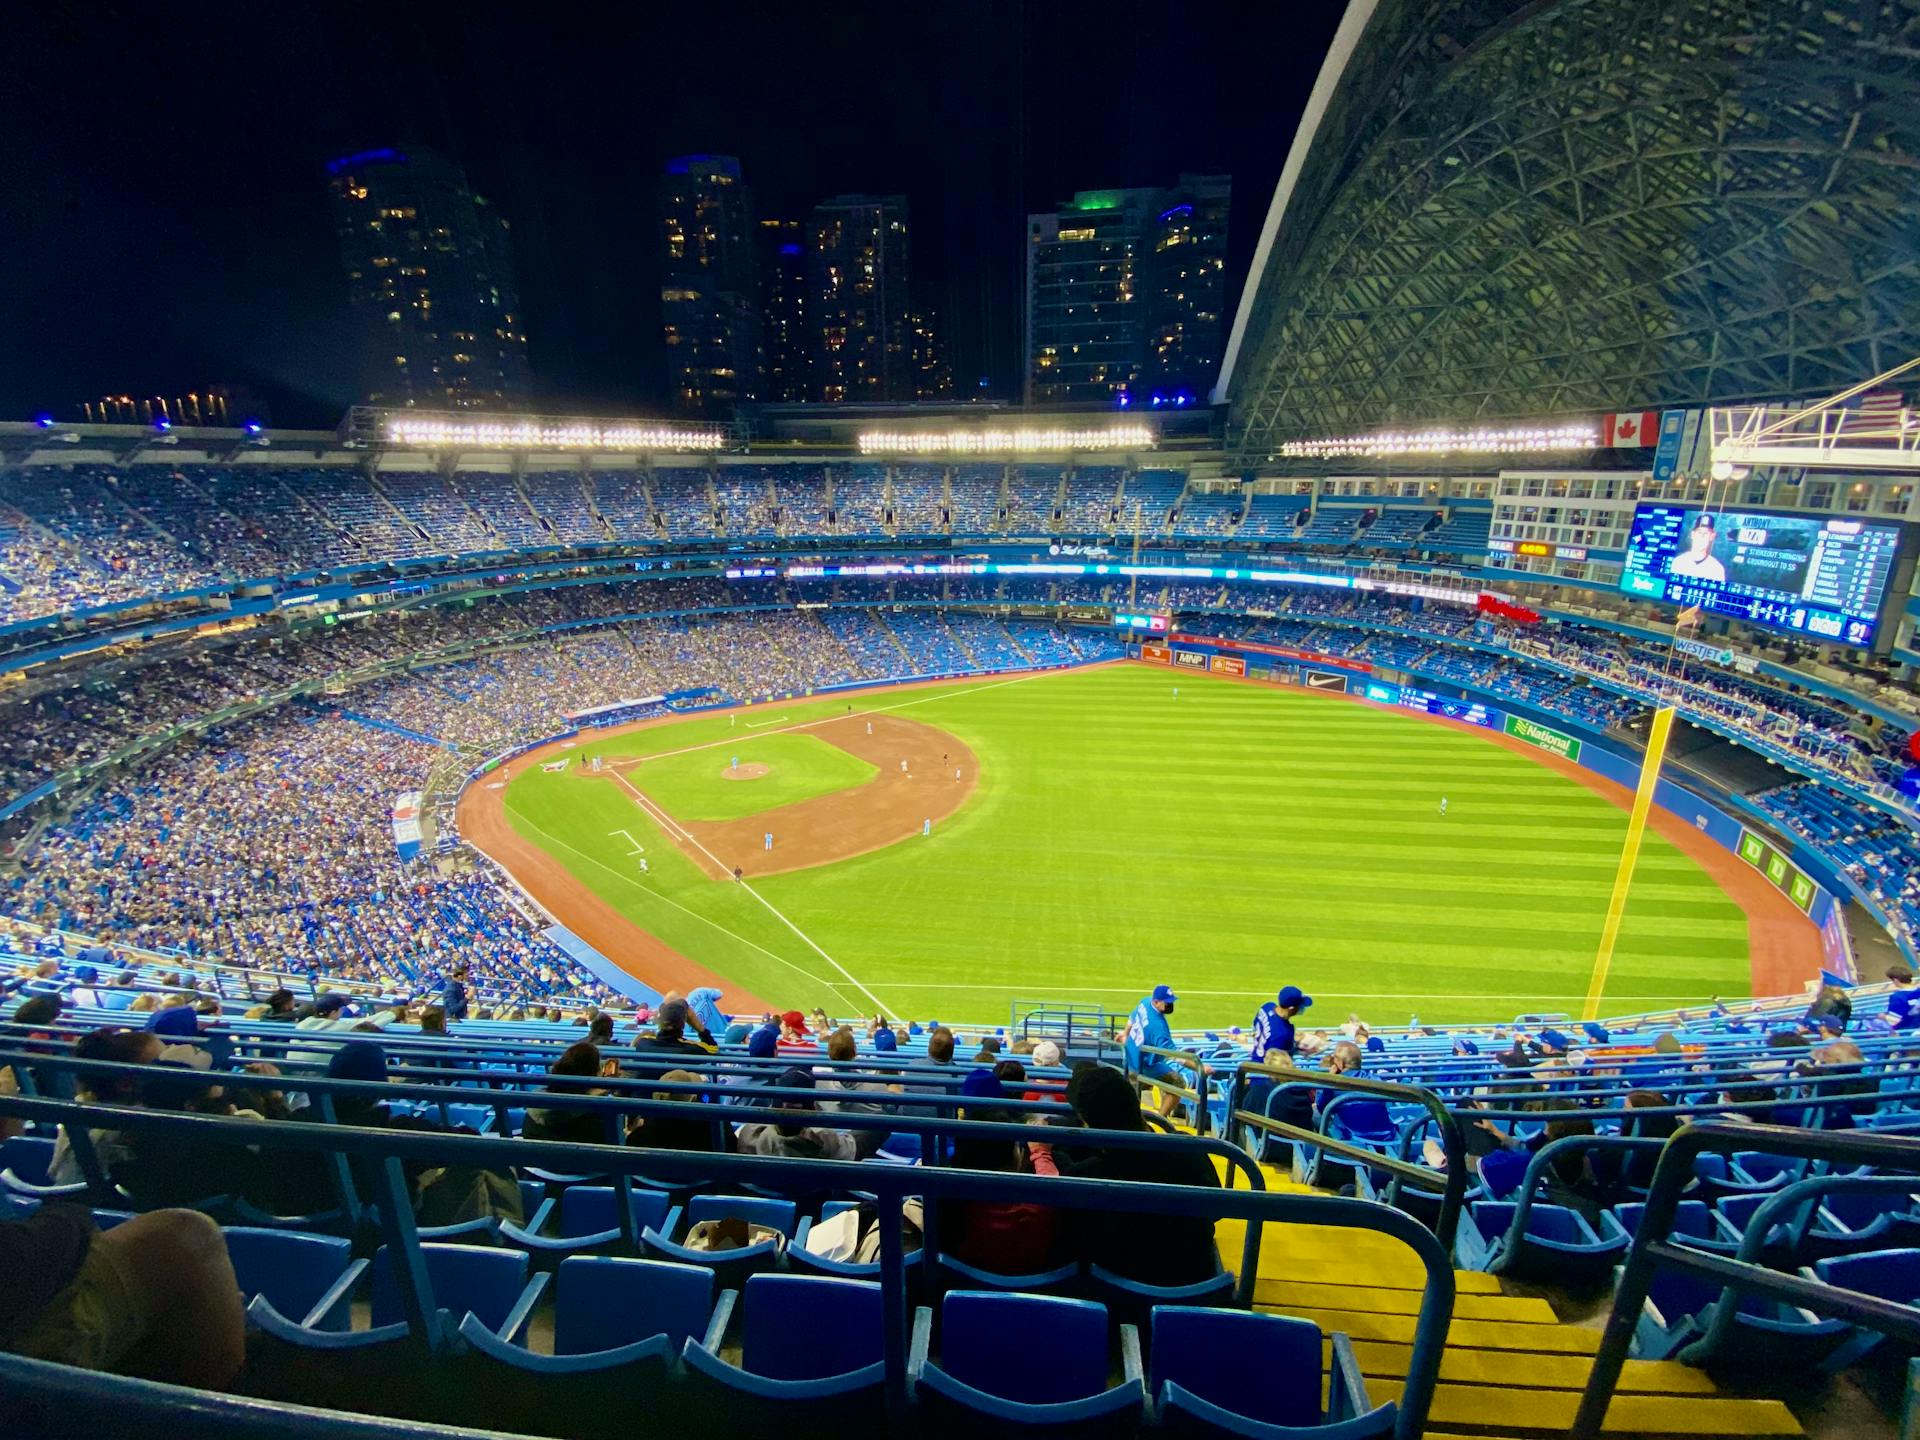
x=1699, y=561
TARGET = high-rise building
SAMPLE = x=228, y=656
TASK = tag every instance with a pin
x=786, y=342
x=1124, y=294
x=430, y=281
x=710, y=310
x=1182, y=284
x=927, y=358
x=858, y=272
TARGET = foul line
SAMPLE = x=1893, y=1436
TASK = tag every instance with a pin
x=673, y=827
x=704, y=920
x=639, y=760
x=761, y=724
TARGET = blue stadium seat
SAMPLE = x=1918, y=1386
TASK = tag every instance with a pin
x=1767, y=1336
x=23, y=1169
x=1130, y=1302
x=730, y=1266
x=804, y=1260
x=1270, y=1390
x=1786, y=1243
x=1033, y=1360
x=589, y=1219
x=309, y=1276
x=1693, y=1224
x=1849, y=1222
x=1061, y=1280
x=618, y=1329
x=1889, y=1274
x=492, y=1284
x=1558, y=1244
x=811, y=1350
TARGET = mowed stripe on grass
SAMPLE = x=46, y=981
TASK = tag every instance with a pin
x=1227, y=841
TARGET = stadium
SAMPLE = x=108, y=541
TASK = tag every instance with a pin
x=1442, y=822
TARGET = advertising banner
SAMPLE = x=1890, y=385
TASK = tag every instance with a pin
x=1192, y=659
x=1554, y=742
x=1785, y=876
x=406, y=823
x=1285, y=652
x=1666, y=458
x=1325, y=680
x=1156, y=654
x=1229, y=665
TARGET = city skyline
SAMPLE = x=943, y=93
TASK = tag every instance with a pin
x=139, y=272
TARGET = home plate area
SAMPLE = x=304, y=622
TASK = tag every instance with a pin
x=938, y=774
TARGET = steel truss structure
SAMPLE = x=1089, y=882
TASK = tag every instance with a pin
x=1578, y=206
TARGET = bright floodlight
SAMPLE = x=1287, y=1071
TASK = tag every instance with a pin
x=443, y=433
x=1506, y=440
x=993, y=442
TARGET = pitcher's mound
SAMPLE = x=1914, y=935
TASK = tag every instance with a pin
x=743, y=772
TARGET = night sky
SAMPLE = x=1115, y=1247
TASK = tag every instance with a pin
x=163, y=216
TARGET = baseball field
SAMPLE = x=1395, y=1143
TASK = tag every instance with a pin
x=933, y=852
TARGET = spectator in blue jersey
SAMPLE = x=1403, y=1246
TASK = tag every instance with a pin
x=1273, y=1026
x=1149, y=1028
x=704, y=1002
x=1903, y=1001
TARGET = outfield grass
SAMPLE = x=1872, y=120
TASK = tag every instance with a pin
x=1229, y=841
x=692, y=785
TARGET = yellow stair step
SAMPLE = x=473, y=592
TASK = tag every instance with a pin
x=1287, y=1293
x=1287, y=1251
x=1523, y=1412
x=1388, y=1361
x=1464, y=1334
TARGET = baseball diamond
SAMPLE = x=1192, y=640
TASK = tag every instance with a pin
x=1238, y=831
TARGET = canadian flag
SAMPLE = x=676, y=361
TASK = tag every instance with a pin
x=1630, y=429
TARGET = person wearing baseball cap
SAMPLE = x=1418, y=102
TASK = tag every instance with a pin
x=1148, y=1028
x=1273, y=1025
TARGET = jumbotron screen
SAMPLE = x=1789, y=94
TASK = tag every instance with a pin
x=1812, y=575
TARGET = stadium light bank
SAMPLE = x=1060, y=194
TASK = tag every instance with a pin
x=992, y=442
x=534, y=432
x=1513, y=440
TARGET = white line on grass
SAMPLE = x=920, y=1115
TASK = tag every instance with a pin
x=704, y=920
x=762, y=724
x=853, y=715
x=650, y=807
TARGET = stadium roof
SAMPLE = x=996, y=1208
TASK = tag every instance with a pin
x=1500, y=210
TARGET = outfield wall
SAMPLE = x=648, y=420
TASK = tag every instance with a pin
x=1809, y=882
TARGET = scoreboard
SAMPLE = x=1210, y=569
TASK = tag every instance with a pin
x=1817, y=575
x=1142, y=624
x=1428, y=703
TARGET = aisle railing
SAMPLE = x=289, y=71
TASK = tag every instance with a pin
x=890, y=1185
x=1743, y=1274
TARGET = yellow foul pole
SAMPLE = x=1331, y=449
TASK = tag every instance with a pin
x=1629, y=854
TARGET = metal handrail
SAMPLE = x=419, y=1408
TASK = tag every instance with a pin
x=891, y=1184
x=1652, y=1247
x=1801, y=1196
x=742, y=1106
x=1452, y=1134
x=1197, y=1093
x=1529, y=1186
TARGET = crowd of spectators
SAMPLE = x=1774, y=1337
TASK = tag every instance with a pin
x=270, y=844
